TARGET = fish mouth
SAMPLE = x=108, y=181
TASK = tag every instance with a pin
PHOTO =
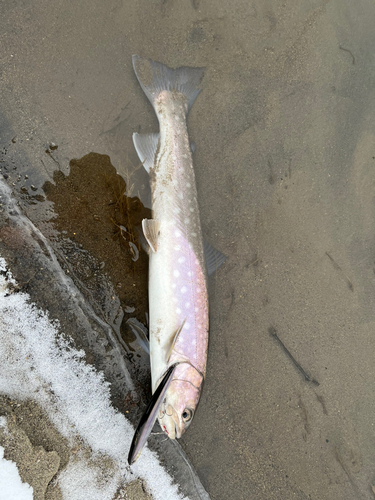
x=169, y=426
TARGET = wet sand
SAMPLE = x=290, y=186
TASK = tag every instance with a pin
x=285, y=140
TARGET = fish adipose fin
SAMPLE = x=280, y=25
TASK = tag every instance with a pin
x=149, y=417
x=151, y=229
x=214, y=258
x=154, y=77
x=146, y=146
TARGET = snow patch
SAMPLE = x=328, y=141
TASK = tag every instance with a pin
x=11, y=484
x=39, y=363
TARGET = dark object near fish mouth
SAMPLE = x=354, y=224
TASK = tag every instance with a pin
x=147, y=421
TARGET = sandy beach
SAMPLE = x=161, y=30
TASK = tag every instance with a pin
x=285, y=169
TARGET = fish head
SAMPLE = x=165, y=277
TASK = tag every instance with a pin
x=180, y=401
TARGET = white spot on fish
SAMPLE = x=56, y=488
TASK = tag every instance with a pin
x=189, y=273
x=191, y=209
x=194, y=234
x=176, y=273
x=178, y=310
x=187, y=325
x=177, y=233
x=181, y=196
x=187, y=305
x=183, y=289
x=196, y=309
x=187, y=220
x=185, y=155
x=177, y=210
x=198, y=288
x=181, y=260
x=177, y=248
x=173, y=285
x=188, y=185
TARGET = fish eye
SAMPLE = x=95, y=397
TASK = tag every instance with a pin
x=187, y=415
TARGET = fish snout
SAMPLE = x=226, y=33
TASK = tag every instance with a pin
x=168, y=421
x=168, y=426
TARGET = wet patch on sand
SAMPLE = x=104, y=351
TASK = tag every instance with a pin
x=95, y=214
x=98, y=246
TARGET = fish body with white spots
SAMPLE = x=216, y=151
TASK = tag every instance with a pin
x=178, y=299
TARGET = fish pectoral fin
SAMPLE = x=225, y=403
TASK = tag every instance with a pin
x=151, y=230
x=214, y=258
x=146, y=146
x=174, y=338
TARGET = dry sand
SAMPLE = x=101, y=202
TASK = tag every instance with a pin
x=285, y=167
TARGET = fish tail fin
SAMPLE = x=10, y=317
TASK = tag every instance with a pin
x=154, y=77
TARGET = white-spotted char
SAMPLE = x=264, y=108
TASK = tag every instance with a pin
x=178, y=299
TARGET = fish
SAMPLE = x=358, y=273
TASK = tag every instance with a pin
x=179, y=259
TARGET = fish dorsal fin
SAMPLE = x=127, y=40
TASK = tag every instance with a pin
x=146, y=146
x=174, y=340
x=149, y=417
x=214, y=258
x=151, y=230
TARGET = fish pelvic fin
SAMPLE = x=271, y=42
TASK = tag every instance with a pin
x=154, y=77
x=140, y=331
x=151, y=230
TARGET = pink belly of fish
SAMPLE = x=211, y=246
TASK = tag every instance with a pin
x=178, y=296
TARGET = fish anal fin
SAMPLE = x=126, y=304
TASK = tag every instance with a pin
x=146, y=146
x=151, y=229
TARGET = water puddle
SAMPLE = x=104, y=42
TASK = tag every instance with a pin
x=95, y=237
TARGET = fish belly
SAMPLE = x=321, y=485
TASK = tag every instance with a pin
x=177, y=274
